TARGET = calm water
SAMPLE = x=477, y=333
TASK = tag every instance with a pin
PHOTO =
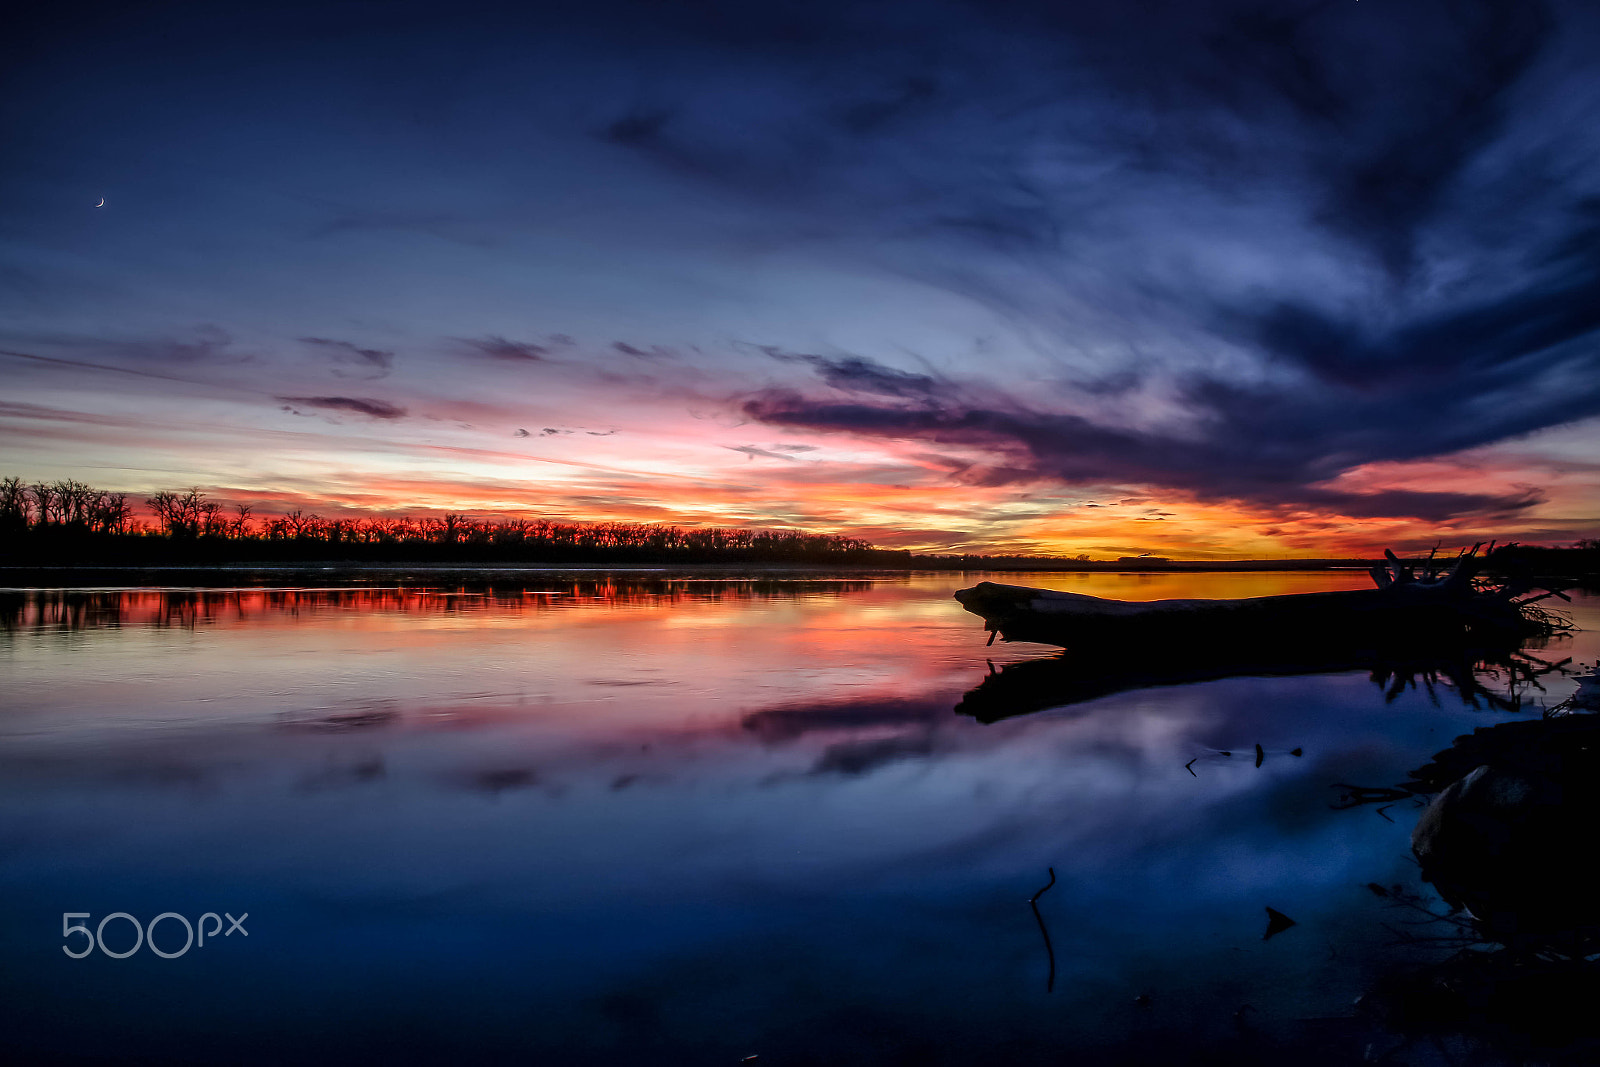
x=683, y=821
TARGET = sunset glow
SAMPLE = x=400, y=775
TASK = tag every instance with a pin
x=942, y=296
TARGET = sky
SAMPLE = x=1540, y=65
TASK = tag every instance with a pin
x=1202, y=279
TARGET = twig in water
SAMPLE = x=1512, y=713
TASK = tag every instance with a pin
x=1033, y=902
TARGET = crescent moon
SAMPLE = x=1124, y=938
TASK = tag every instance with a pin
x=102, y=202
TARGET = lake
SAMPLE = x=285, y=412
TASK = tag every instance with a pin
x=651, y=818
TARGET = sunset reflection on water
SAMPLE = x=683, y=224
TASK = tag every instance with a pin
x=675, y=817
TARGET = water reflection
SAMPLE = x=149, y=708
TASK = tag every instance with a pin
x=72, y=610
x=1498, y=677
x=688, y=825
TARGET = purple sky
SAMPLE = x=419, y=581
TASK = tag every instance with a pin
x=1271, y=278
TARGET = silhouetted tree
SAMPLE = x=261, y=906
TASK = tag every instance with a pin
x=69, y=507
x=16, y=505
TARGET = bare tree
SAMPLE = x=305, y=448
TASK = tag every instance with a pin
x=111, y=514
x=179, y=516
x=210, y=519
x=16, y=504
x=165, y=506
x=46, y=510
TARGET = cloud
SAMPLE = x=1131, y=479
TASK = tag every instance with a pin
x=990, y=125
x=1310, y=239
x=1402, y=170
x=1500, y=341
x=856, y=374
x=378, y=359
x=1275, y=449
x=752, y=452
x=512, y=351
x=654, y=352
x=1223, y=249
x=377, y=409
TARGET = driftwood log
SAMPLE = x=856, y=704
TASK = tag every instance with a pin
x=1444, y=606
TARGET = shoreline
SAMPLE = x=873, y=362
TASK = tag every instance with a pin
x=108, y=575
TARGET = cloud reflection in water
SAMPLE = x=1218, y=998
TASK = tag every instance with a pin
x=779, y=831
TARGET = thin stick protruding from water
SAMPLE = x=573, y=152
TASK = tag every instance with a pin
x=1033, y=902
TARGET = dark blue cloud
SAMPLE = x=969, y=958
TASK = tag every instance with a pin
x=1390, y=137
x=1270, y=448
x=853, y=374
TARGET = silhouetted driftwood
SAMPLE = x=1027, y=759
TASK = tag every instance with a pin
x=1427, y=607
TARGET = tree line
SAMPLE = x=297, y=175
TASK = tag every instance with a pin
x=63, y=505
x=189, y=523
